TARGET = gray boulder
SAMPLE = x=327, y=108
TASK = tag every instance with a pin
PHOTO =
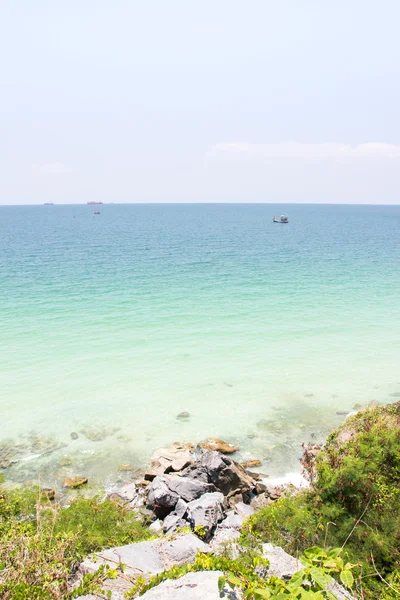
x=143, y=558
x=175, y=520
x=284, y=566
x=193, y=586
x=206, y=512
x=165, y=491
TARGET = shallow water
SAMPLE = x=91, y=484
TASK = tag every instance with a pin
x=112, y=325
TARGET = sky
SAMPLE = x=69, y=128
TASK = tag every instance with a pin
x=199, y=101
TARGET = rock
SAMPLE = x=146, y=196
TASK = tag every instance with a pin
x=219, y=446
x=98, y=435
x=74, y=482
x=4, y=464
x=175, y=520
x=181, y=550
x=284, y=566
x=74, y=435
x=244, y=510
x=206, y=512
x=128, y=494
x=251, y=463
x=226, y=474
x=193, y=586
x=147, y=558
x=261, y=488
x=281, y=563
x=342, y=413
x=232, y=521
x=125, y=468
x=234, y=497
x=222, y=537
x=274, y=492
x=65, y=461
x=156, y=527
x=260, y=501
x=171, y=458
x=49, y=493
x=165, y=491
x=183, y=416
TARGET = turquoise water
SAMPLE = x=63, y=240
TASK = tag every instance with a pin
x=262, y=331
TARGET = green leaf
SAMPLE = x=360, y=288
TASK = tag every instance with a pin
x=346, y=577
x=320, y=578
x=221, y=583
x=233, y=581
x=264, y=593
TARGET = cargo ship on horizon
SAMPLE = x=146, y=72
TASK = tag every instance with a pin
x=94, y=202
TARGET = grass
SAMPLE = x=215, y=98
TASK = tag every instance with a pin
x=42, y=544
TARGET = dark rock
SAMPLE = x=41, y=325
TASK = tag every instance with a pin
x=49, y=493
x=183, y=416
x=175, y=520
x=74, y=435
x=226, y=474
x=165, y=491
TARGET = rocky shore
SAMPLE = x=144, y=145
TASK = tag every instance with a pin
x=197, y=500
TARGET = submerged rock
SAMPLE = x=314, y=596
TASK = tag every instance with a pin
x=74, y=435
x=125, y=468
x=251, y=463
x=74, y=482
x=98, y=435
x=183, y=416
x=219, y=446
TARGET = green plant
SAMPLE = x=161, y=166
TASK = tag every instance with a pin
x=354, y=503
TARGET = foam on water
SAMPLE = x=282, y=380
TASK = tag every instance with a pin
x=262, y=332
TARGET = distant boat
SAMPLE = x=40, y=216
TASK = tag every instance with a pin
x=49, y=204
x=94, y=202
x=96, y=212
x=282, y=219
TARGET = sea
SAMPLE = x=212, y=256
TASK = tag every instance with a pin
x=267, y=334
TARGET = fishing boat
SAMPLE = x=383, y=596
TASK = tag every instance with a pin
x=96, y=212
x=92, y=202
x=282, y=219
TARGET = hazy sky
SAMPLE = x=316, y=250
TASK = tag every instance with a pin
x=199, y=101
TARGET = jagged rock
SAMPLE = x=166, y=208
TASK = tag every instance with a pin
x=171, y=458
x=222, y=537
x=273, y=491
x=218, y=446
x=206, y=512
x=251, y=463
x=193, y=586
x=65, y=461
x=175, y=520
x=260, y=501
x=261, y=488
x=244, y=510
x=165, y=491
x=74, y=482
x=226, y=474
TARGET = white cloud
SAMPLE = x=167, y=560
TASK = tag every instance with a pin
x=54, y=168
x=295, y=150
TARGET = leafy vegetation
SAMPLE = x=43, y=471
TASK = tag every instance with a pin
x=353, y=503
x=41, y=544
x=248, y=573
